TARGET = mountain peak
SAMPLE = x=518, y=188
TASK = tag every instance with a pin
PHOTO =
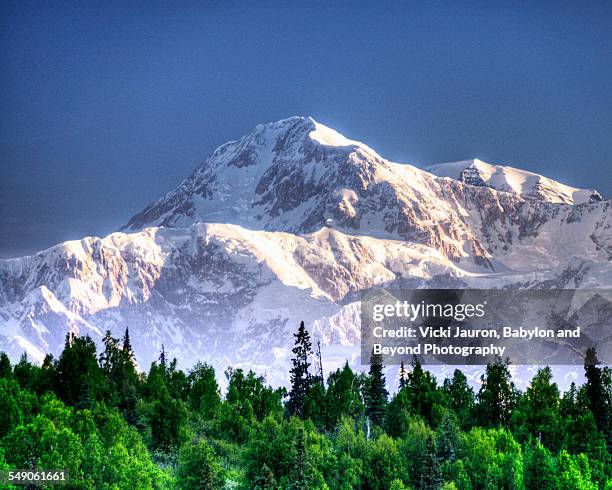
x=306, y=127
x=238, y=183
x=504, y=178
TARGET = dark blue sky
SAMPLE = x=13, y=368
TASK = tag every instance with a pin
x=104, y=107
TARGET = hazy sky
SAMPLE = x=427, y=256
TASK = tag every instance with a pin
x=105, y=107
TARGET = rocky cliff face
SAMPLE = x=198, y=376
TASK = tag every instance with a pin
x=291, y=222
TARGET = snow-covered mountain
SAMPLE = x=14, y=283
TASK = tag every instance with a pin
x=509, y=179
x=293, y=221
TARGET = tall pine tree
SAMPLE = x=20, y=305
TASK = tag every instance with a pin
x=5, y=366
x=301, y=380
x=599, y=395
x=376, y=391
x=497, y=395
x=460, y=397
x=162, y=359
x=127, y=345
x=421, y=390
x=78, y=376
x=402, y=376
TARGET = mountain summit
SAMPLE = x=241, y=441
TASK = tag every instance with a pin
x=255, y=179
x=293, y=222
x=509, y=179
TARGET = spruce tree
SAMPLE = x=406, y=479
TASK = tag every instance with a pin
x=301, y=380
x=497, y=395
x=5, y=366
x=46, y=379
x=301, y=464
x=314, y=407
x=204, y=396
x=130, y=411
x=431, y=475
x=127, y=345
x=422, y=391
x=402, y=376
x=343, y=396
x=376, y=391
x=23, y=372
x=538, y=412
x=116, y=360
x=399, y=413
x=569, y=403
x=448, y=436
x=319, y=366
x=460, y=396
x=162, y=359
x=78, y=364
x=108, y=357
x=599, y=395
x=85, y=401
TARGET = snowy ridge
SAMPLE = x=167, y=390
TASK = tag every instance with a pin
x=509, y=179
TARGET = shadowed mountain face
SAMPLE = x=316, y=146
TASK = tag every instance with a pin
x=292, y=222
